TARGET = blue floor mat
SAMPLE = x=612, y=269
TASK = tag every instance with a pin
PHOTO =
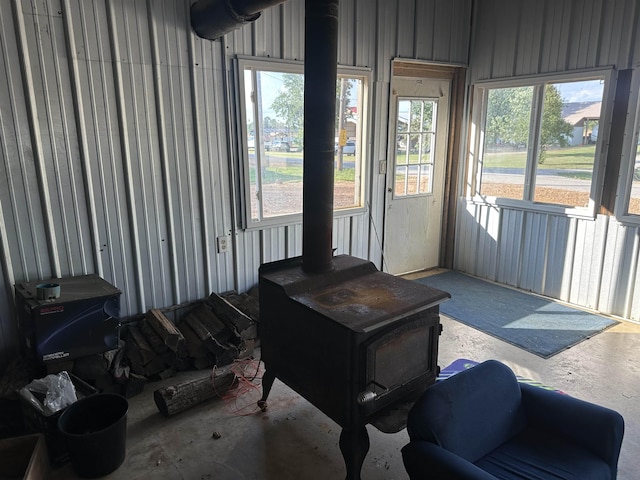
x=530, y=322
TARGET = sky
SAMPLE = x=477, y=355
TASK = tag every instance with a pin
x=583, y=91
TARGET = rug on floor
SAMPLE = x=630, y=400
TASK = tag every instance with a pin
x=531, y=322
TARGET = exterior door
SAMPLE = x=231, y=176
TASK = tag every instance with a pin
x=415, y=179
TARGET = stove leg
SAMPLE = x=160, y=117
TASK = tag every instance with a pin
x=267, y=383
x=354, y=445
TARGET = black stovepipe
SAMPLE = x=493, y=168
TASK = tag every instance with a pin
x=320, y=74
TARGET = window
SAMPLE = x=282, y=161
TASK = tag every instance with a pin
x=630, y=177
x=634, y=191
x=272, y=108
x=414, y=141
x=537, y=141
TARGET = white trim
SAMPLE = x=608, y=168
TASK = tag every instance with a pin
x=629, y=152
x=284, y=66
x=481, y=89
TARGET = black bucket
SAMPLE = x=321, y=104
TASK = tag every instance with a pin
x=95, y=432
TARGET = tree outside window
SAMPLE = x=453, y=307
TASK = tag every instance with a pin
x=536, y=148
x=273, y=101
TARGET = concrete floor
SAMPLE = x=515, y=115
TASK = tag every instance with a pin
x=294, y=441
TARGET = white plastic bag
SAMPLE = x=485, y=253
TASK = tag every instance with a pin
x=58, y=389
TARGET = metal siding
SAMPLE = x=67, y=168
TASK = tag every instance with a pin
x=487, y=244
x=424, y=37
x=617, y=268
x=210, y=136
x=365, y=33
x=347, y=32
x=293, y=37
x=528, y=38
x=266, y=30
x=533, y=252
x=560, y=243
x=465, y=248
x=510, y=247
x=404, y=22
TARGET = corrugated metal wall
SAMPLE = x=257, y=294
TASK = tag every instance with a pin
x=512, y=38
x=591, y=263
x=117, y=147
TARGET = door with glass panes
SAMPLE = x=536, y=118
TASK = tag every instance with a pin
x=416, y=174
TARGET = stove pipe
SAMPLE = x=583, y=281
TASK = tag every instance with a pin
x=320, y=75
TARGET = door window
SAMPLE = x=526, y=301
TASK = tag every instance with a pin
x=415, y=138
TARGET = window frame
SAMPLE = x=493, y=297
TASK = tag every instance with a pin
x=480, y=91
x=363, y=134
x=629, y=152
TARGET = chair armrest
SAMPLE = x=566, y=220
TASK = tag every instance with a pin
x=596, y=428
x=427, y=461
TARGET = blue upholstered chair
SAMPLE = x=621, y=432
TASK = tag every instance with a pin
x=481, y=424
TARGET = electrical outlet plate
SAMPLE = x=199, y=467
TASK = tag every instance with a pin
x=223, y=243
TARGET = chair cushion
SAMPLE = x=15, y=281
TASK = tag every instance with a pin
x=471, y=413
x=534, y=454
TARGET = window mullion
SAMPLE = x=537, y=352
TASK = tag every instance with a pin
x=256, y=99
x=533, y=149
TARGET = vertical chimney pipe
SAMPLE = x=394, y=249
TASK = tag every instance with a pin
x=320, y=76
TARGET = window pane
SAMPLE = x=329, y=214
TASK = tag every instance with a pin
x=506, y=140
x=347, y=181
x=634, y=199
x=426, y=185
x=274, y=125
x=414, y=142
x=566, y=154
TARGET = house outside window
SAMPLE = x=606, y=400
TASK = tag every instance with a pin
x=536, y=142
x=271, y=98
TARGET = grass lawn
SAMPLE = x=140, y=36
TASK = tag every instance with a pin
x=571, y=158
x=282, y=174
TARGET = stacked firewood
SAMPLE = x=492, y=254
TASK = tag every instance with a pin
x=214, y=332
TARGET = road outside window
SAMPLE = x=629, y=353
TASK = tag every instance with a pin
x=540, y=141
x=273, y=106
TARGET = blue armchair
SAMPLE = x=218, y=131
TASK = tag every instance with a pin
x=482, y=424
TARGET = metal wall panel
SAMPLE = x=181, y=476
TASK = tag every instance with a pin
x=525, y=38
x=534, y=252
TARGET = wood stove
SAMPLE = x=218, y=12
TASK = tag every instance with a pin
x=357, y=343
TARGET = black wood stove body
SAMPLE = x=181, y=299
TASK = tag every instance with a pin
x=357, y=343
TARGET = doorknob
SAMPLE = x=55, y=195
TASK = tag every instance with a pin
x=389, y=190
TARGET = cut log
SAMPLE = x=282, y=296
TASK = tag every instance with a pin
x=213, y=334
x=195, y=346
x=216, y=327
x=241, y=324
x=176, y=398
x=154, y=367
x=137, y=348
x=156, y=342
x=170, y=335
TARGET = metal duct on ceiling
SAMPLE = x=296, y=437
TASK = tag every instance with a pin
x=212, y=19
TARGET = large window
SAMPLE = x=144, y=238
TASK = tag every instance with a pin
x=537, y=141
x=629, y=191
x=272, y=109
